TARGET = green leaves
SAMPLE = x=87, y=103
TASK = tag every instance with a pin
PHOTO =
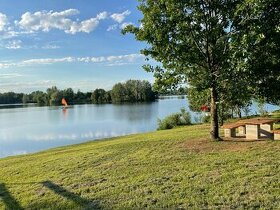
x=214, y=45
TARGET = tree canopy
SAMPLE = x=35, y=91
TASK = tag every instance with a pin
x=133, y=91
x=261, y=39
x=206, y=44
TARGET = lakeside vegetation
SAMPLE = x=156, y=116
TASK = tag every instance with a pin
x=215, y=48
x=172, y=169
x=177, y=119
x=131, y=91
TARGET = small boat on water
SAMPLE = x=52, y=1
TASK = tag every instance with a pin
x=64, y=103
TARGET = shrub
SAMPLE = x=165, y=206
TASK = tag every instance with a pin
x=206, y=119
x=185, y=117
x=173, y=120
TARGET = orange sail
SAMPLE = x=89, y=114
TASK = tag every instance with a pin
x=64, y=102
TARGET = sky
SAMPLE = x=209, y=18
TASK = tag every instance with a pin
x=64, y=43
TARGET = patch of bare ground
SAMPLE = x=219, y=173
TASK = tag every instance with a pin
x=206, y=145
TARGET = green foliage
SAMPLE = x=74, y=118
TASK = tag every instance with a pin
x=169, y=122
x=191, y=40
x=174, y=120
x=133, y=91
x=10, y=98
x=55, y=98
x=100, y=96
x=25, y=99
x=40, y=98
x=260, y=38
x=206, y=119
x=227, y=48
x=230, y=103
x=69, y=95
x=82, y=98
x=179, y=91
x=197, y=99
x=118, y=93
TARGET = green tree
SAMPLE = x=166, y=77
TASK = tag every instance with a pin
x=25, y=99
x=40, y=98
x=197, y=99
x=133, y=91
x=80, y=97
x=69, y=94
x=51, y=91
x=99, y=96
x=262, y=43
x=147, y=92
x=118, y=93
x=192, y=41
x=56, y=98
x=10, y=98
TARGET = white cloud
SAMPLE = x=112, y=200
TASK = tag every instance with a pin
x=48, y=20
x=26, y=86
x=108, y=60
x=112, y=27
x=5, y=65
x=45, y=61
x=30, y=23
x=97, y=59
x=3, y=21
x=113, y=60
x=40, y=61
x=102, y=16
x=11, y=33
x=10, y=76
x=120, y=17
x=14, y=44
x=50, y=46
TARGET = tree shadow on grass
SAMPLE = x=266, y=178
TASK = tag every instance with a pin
x=10, y=202
x=85, y=203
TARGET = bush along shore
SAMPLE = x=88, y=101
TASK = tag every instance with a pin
x=170, y=169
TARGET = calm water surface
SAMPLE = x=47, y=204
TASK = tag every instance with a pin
x=31, y=129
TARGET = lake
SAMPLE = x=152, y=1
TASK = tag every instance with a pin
x=30, y=129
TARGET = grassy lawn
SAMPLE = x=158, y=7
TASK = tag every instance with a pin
x=174, y=169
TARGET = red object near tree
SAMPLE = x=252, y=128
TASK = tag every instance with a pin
x=205, y=108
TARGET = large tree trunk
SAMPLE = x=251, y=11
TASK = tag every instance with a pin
x=239, y=112
x=214, y=133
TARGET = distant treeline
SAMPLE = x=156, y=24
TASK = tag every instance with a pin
x=11, y=98
x=131, y=91
x=173, y=91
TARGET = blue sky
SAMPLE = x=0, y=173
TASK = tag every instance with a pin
x=66, y=43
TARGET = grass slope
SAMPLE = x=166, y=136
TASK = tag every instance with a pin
x=174, y=169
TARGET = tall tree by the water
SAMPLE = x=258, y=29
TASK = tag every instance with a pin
x=192, y=41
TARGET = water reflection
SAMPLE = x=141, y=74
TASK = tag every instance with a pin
x=31, y=129
x=65, y=113
x=136, y=112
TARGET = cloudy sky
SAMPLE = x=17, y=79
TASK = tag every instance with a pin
x=66, y=43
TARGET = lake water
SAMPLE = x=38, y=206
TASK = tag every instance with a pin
x=31, y=129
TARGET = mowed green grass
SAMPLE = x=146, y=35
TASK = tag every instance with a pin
x=173, y=169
